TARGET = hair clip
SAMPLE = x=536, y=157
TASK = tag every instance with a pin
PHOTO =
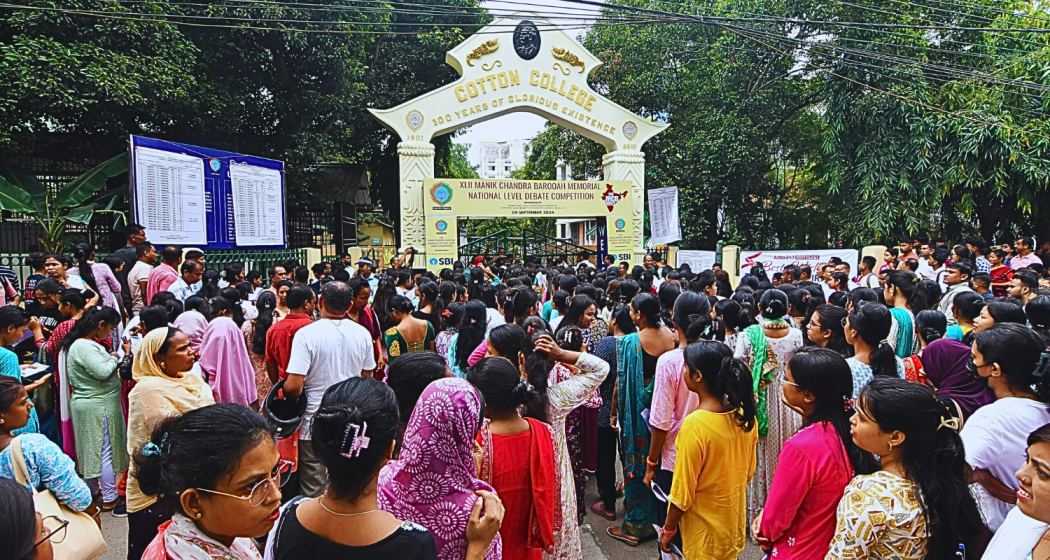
x=151, y=450
x=355, y=442
x=847, y=405
x=949, y=422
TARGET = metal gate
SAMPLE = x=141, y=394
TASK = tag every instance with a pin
x=523, y=245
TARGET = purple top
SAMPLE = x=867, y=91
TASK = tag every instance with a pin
x=108, y=286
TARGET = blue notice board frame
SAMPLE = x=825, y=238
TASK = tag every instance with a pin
x=218, y=189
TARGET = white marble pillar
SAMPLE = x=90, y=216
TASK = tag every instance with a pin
x=629, y=165
x=416, y=165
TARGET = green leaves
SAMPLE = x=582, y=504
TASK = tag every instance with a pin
x=79, y=190
x=13, y=197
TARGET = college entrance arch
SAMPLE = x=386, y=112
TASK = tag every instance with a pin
x=537, y=69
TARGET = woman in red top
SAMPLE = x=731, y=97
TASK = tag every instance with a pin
x=816, y=464
x=1000, y=274
x=517, y=459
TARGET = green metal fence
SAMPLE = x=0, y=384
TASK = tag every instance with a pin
x=215, y=260
x=254, y=260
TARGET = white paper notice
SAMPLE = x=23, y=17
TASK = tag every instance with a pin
x=258, y=205
x=663, y=216
x=169, y=197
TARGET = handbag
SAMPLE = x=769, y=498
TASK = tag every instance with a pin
x=83, y=539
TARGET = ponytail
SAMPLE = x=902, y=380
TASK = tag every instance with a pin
x=82, y=252
x=725, y=377
x=691, y=314
x=884, y=361
x=738, y=391
x=500, y=384
x=537, y=371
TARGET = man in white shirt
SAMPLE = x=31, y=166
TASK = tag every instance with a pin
x=189, y=283
x=325, y=352
x=138, y=276
x=925, y=270
x=936, y=262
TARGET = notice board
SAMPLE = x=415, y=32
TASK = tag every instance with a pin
x=203, y=197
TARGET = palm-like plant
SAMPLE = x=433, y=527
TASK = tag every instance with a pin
x=74, y=202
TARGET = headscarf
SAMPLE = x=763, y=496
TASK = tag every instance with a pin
x=156, y=396
x=433, y=482
x=945, y=363
x=194, y=324
x=225, y=361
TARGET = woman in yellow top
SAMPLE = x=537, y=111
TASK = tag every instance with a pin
x=716, y=453
x=164, y=386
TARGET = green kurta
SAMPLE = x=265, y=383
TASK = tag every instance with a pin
x=95, y=395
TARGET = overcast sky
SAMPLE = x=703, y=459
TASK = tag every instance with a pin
x=514, y=126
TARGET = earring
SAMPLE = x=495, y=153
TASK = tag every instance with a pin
x=199, y=515
x=163, y=365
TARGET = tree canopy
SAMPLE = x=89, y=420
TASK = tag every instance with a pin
x=793, y=129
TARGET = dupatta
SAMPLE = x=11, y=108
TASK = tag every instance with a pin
x=545, y=518
x=905, y=343
x=634, y=398
x=763, y=364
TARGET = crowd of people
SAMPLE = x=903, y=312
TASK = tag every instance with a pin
x=339, y=411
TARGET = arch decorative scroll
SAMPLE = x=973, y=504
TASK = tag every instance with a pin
x=537, y=69
x=495, y=80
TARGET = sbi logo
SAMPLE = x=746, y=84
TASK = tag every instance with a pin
x=433, y=261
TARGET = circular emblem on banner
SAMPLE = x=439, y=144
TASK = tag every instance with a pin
x=630, y=130
x=441, y=225
x=414, y=120
x=433, y=261
x=441, y=193
x=620, y=223
x=215, y=164
x=527, y=40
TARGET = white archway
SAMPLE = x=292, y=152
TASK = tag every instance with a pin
x=537, y=69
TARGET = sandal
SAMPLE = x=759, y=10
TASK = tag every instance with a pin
x=598, y=508
x=618, y=534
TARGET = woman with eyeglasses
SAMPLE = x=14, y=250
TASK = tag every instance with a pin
x=221, y=467
x=816, y=464
x=1009, y=358
x=25, y=532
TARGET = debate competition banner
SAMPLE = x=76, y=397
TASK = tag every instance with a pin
x=697, y=260
x=775, y=261
x=446, y=200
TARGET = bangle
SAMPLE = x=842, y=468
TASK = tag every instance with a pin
x=651, y=463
